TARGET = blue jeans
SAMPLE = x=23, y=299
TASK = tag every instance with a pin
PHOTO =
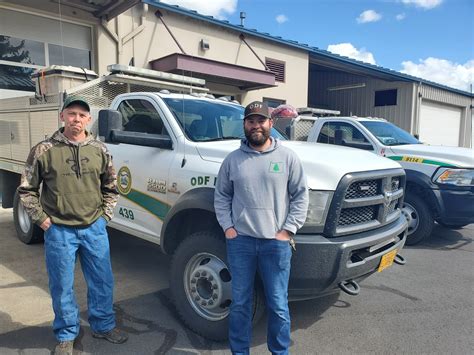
x=62, y=245
x=272, y=259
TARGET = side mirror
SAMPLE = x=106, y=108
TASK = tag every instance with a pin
x=109, y=120
x=417, y=136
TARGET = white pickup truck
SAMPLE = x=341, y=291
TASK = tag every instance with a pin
x=167, y=150
x=440, y=180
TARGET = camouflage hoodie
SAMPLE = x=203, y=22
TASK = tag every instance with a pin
x=79, y=181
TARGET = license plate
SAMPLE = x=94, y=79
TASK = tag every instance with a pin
x=387, y=260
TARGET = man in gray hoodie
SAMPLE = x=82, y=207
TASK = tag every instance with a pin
x=261, y=200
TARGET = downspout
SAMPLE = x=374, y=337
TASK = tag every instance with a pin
x=415, y=128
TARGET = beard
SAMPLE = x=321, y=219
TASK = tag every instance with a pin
x=257, y=136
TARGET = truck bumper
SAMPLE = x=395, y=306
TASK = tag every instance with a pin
x=456, y=206
x=320, y=264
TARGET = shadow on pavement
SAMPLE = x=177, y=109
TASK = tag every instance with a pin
x=443, y=238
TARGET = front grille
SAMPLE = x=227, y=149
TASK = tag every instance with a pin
x=365, y=201
x=356, y=215
x=360, y=189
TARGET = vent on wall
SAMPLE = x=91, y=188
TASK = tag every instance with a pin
x=276, y=67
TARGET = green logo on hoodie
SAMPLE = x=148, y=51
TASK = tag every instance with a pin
x=276, y=167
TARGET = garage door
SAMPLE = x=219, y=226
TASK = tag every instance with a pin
x=439, y=124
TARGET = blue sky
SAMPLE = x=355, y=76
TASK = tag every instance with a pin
x=432, y=39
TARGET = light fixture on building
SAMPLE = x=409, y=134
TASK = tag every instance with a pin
x=204, y=44
x=346, y=87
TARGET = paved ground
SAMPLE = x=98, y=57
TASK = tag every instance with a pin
x=424, y=307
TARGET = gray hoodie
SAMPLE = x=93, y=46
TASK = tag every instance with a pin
x=260, y=193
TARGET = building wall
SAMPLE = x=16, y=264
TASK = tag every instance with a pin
x=360, y=101
x=154, y=42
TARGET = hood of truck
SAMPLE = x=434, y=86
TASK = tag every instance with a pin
x=435, y=155
x=324, y=164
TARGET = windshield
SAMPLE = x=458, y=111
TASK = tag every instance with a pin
x=205, y=121
x=389, y=134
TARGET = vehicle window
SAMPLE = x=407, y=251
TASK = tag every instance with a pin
x=204, y=121
x=389, y=134
x=140, y=116
x=342, y=133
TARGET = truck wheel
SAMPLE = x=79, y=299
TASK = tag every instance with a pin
x=419, y=216
x=452, y=225
x=200, y=283
x=26, y=230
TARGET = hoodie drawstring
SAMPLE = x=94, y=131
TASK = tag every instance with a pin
x=77, y=159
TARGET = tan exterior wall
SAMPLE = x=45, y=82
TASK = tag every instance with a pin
x=154, y=42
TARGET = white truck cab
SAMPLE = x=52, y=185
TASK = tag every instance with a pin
x=440, y=179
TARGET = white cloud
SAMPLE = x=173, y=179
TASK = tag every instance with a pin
x=281, y=18
x=424, y=4
x=217, y=8
x=369, y=16
x=348, y=50
x=442, y=71
x=401, y=16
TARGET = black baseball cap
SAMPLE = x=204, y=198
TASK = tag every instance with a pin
x=257, y=108
x=77, y=100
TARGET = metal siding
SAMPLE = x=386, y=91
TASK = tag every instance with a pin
x=19, y=127
x=43, y=124
x=5, y=140
x=360, y=101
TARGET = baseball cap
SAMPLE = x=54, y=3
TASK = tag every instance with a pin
x=78, y=100
x=257, y=108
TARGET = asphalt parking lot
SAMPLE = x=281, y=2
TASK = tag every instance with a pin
x=424, y=307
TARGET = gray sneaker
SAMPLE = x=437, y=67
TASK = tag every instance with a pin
x=115, y=336
x=64, y=348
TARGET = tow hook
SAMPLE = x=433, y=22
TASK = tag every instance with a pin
x=400, y=260
x=350, y=287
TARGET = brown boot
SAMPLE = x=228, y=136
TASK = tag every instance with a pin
x=64, y=348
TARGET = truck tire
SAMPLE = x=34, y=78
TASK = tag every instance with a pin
x=26, y=230
x=200, y=283
x=420, y=218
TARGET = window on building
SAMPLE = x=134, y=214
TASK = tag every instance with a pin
x=277, y=67
x=62, y=55
x=23, y=50
x=386, y=97
x=273, y=102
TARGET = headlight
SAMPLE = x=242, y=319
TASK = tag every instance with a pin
x=319, y=202
x=457, y=177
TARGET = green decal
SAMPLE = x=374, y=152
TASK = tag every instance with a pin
x=420, y=161
x=154, y=206
x=276, y=167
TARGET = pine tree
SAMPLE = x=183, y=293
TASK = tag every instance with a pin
x=16, y=78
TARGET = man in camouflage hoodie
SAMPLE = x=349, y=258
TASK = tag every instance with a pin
x=78, y=196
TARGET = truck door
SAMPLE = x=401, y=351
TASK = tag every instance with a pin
x=345, y=134
x=142, y=171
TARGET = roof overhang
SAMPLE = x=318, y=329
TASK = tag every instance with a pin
x=215, y=72
x=83, y=9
